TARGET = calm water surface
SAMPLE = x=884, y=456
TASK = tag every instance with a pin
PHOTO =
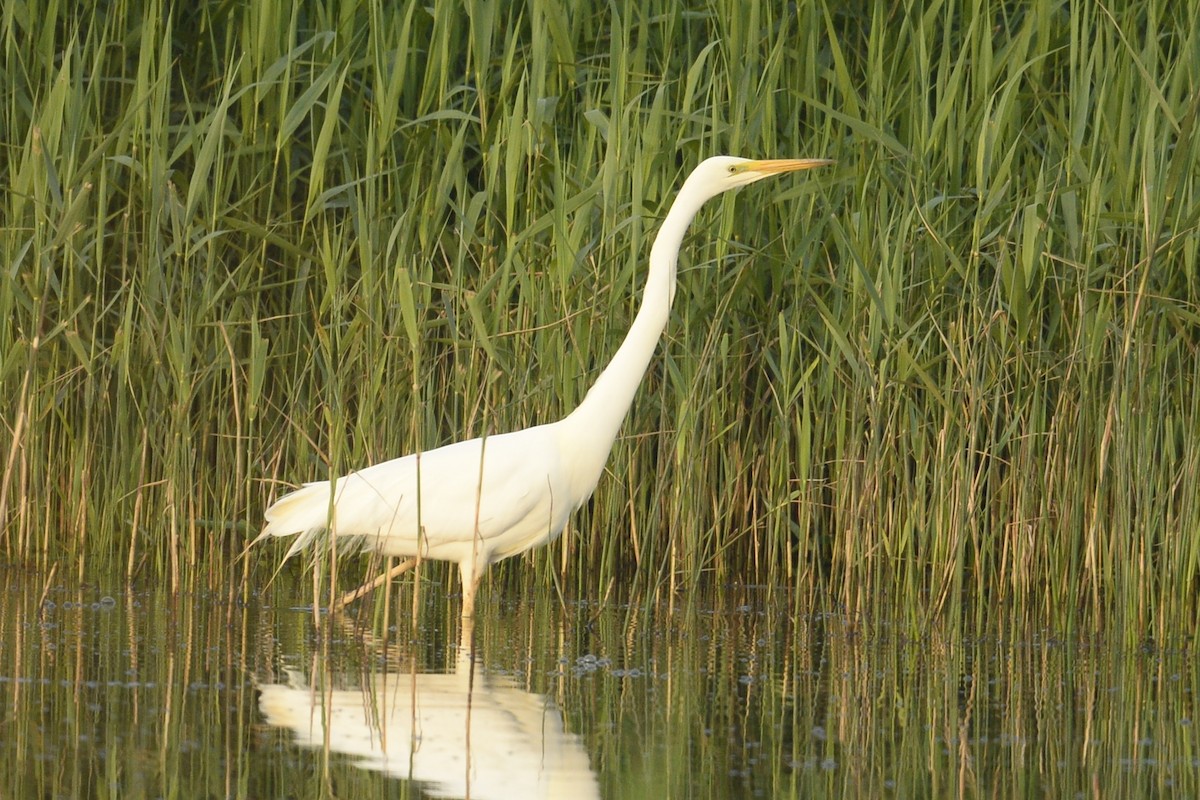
x=118, y=692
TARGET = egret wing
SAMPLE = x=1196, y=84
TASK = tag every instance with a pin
x=491, y=486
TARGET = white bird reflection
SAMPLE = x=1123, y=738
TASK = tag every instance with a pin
x=493, y=740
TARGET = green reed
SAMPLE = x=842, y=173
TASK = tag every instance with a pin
x=252, y=245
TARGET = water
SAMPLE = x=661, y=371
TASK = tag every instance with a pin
x=111, y=692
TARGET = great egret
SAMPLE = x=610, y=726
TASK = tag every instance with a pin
x=478, y=501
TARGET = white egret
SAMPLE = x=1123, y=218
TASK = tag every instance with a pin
x=479, y=501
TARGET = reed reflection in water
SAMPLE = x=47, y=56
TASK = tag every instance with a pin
x=112, y=691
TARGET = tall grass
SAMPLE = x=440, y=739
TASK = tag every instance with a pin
x=251, y=244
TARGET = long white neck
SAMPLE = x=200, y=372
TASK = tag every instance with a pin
x=593, y=426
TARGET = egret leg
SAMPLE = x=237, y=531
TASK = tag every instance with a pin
x=366, y=588
x=472, y=575
x=466, y=638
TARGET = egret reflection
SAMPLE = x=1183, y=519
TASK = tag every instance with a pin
x=457, y=737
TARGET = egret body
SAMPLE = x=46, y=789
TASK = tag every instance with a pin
x=486, y=499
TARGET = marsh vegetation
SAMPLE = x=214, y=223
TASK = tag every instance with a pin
x=949, y=384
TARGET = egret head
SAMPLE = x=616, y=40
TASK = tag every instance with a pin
x=722, y=173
